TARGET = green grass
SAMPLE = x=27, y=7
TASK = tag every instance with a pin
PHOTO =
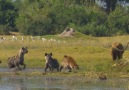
x=92, y=54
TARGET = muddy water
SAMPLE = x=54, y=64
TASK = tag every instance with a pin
x=61, y=83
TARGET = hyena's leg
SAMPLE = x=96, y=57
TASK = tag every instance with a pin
x=23, y=65
x=50, y=68
x=69, y=68
x=58, y=69
x=10, y=63
x=17, y=66
x=61, y=67
x=16, y=63
x=46, y=66
x=11, y=66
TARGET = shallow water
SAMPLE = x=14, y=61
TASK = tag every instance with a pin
x=61, y=83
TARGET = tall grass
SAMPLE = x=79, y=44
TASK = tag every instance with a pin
x=90, y=53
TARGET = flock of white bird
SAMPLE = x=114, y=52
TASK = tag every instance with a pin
x=31, y=38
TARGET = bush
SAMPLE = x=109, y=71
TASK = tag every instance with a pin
x=4, y=30
x=118, y=22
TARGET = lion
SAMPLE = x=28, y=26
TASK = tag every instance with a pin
x=15, y=61
x=117, y=50
x=68, y=63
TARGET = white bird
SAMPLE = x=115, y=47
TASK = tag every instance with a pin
x=43, y=39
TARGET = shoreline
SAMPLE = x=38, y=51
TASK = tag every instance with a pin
x=40, y=73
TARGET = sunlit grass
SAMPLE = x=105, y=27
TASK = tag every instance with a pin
x=92, y=54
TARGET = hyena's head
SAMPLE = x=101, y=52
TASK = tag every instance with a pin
x=76, y=67
x=23, y=50
x=48, y=56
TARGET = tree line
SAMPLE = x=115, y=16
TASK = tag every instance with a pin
x=43, y=17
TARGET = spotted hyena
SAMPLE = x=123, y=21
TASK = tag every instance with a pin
x=51, y=63
x=68, y=63
x=15, y=61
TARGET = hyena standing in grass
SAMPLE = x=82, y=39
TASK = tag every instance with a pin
x=51, y=63
x=15, y=61
x=68, y=63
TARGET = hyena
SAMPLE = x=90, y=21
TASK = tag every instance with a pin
x=15, y=61
x=68, y=63
x=51, y=63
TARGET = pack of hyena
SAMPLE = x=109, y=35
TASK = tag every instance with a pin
x=68, y=63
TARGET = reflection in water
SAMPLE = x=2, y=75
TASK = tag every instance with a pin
x=12, y=83
x=62, y=83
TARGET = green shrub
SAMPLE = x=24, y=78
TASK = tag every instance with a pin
x=4, y=30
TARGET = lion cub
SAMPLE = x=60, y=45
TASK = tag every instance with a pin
x=68, y=63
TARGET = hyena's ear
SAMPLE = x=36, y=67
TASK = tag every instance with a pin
x=65, y=56
x=22, y=48
x=51, y=54
x=45, y=54
x=0, y=61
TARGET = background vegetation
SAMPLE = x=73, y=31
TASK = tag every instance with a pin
x=43, y=17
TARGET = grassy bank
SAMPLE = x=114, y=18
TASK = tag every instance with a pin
x=92, y=54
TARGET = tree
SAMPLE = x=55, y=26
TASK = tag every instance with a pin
x=41, y=17
x=8, y=13
x=110, y=5
x=118, y=21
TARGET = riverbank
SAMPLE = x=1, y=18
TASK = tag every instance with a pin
x=92, y=54
x=40, y=73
